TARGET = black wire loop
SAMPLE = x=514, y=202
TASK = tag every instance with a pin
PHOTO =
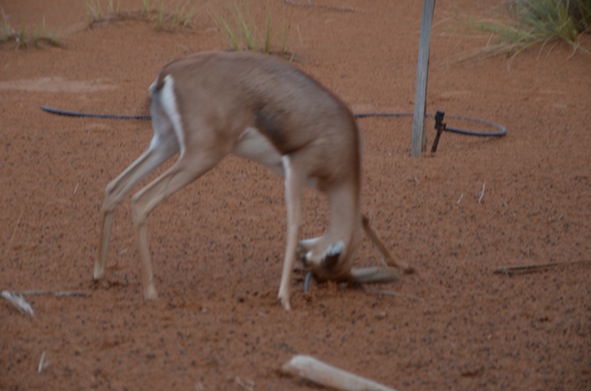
x=502, y=131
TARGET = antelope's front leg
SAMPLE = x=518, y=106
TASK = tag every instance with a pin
x=294, y=184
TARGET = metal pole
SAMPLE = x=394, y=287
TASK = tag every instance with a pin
x=418, y=124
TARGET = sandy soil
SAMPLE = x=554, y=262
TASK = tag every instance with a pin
x=218, y=245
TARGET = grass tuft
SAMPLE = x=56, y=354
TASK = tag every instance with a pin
x=183, y=15
x=40, y=37
x=94, y=9
x=535, y=22
x=248, y=25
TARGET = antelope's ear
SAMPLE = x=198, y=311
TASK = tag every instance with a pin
x=332, y=255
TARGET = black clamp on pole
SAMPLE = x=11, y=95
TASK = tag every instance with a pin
x=440, y=127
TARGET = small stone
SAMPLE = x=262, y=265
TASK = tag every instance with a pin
x=381, y=315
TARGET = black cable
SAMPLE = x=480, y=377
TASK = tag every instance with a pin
x=502, y=131
x=79, y=114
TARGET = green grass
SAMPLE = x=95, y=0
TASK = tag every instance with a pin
x=245, y=31
x=94, y=9
x=24, y=38
x=183, y=15
x=160, y=15
x=538, y=22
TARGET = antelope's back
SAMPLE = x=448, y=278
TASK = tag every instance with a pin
x=235, y=90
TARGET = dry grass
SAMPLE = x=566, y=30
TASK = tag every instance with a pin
x=24, y=38
x=163, y=15
x=535, y=23
x=251, y=25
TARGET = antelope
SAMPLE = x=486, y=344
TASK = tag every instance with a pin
x=212, y=104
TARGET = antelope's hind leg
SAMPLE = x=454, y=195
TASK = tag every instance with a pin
x=187, y=169
x=386, y=257
x=162, y=147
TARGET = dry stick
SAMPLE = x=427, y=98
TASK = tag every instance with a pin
x=42, y=363
x=318, y=6
x=21, y=304
x=386, y=257
x=18, y=221
x=321, y=373
x=244, y=383
x=54, y=293
x=18, y=301
x=482, y=192
x=532, y=268
x=396, y=294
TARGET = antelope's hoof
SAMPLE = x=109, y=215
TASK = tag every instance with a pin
x=409, y=270
x=300, y=254
x=150, y=293
x=98, y=273
x=284, y=302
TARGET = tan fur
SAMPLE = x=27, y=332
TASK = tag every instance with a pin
x=263, y=109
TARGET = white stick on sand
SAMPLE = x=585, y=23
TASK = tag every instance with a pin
x=18, y=301
x=321, y=373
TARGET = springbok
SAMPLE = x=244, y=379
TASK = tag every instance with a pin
x=212, y=104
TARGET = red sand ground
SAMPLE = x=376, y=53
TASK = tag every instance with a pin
x=218, y=244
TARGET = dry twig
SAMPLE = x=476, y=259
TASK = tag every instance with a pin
x=54, y=293
x=481, y=193
x=18, y=301
x=532, y=268
x=42, y=363
x=318, y=372
x=18, y=221
x=309, y=4
x=395, y=294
